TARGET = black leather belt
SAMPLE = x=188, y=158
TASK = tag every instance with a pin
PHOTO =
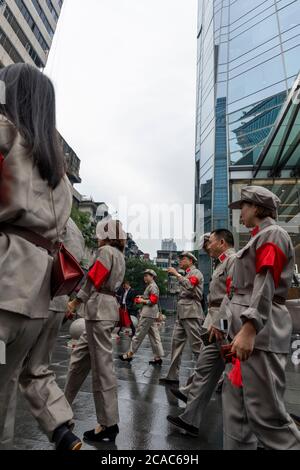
x=279, y=300
x=215, y=304
x=107, y=292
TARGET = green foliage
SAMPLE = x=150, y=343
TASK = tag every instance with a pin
x=87, y=228
x=135, y=275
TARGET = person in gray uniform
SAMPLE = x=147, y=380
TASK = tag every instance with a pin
x=210, y=364
x=35, y=200
x=101, y=317
x=37, y=382
x=260, y=328
x=189, y=315
x=147, y=322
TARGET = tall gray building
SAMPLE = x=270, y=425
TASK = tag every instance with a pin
x=27, y=28
x=248, y=120
x=168, y=245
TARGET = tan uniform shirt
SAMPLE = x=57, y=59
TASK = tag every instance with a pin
x=25, y=201
x=190, y=295
x=108, y=272
x=263, y=273
x=219, y=285
x=151, y=294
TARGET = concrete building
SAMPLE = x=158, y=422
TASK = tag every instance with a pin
x=248, y=112
x=27, y=28
x=168, y=245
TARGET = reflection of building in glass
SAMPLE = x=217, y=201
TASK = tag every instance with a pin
x=255, y=127
x=247, y=63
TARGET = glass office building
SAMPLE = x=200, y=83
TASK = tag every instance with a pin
x=248, y=120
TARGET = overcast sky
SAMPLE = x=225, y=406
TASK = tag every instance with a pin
x=125, y=76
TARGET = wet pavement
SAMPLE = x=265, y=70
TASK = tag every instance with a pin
x=143, y=403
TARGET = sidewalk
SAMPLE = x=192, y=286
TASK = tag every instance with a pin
x=143, y=403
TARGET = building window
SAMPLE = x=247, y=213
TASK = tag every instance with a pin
x=52, y=9
x=43, y=17
x=9, y=48
x=32, y=24
x=22, y=37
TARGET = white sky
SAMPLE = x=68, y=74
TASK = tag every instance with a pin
x=125, y=76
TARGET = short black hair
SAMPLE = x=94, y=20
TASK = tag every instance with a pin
x=225, y=234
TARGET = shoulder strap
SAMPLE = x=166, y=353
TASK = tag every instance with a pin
x=54, y=211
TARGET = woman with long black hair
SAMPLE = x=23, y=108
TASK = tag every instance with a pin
x=35, y=196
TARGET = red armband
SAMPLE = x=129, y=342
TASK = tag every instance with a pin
x=194, y=281
x=153, y=299
x=270, y=256
x=228, y=285
x=98, y=274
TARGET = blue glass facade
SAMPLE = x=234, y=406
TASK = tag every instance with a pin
x=247, y=61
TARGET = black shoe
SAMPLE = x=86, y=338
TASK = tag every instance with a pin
x=179, y=395
x=108, y=434
x=65, y=440
x=296, y=419
x=156, y=362
x=192, y=430
x=125, y=358
x=165, y=381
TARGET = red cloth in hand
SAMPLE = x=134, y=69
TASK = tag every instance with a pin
x=235, y=375
x=228, y=285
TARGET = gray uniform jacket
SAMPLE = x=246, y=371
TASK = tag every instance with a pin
x=25, y=201
x=219, y=285
x=151, y=294
x=263, y=273
x=107, y=273
x=190, y=295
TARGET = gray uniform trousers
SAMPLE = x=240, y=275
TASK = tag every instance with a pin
x=105, y=387
x=208, y=371
x=79, y=368
x=147, y=326
x=188, y=329
x=94, y=351
x=37, y=383
x=257, y=410
x=19, y=333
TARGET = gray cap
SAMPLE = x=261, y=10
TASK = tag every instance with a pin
x=151, y=272
x=189, y=255
x=259, y=196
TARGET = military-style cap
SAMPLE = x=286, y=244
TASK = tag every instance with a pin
x=259, y=196
x=151, y=272
x=189, y=255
